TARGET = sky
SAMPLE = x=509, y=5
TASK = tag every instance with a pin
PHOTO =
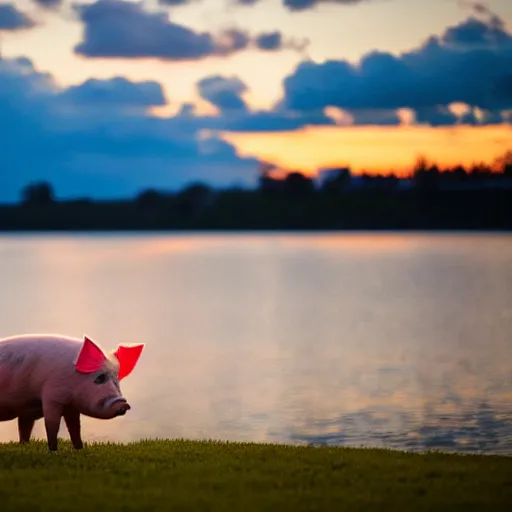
x=104, y=98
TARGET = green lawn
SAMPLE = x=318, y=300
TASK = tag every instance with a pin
x=189, y=476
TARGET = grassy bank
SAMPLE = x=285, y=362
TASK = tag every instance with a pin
x=188, y=476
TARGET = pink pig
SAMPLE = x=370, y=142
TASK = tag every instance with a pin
x=51, y=376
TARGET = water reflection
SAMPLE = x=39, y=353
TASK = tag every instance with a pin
x=478, y=428
x=387, y=340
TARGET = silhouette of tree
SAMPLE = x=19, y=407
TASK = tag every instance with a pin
x=37, y=194
x=459, y=173
x=150, y=199
x=480, y=171
x=297, y=185
x=504, y=164
x=337, y=181
x=425, y=176
x=266, y=183
x=194, y=198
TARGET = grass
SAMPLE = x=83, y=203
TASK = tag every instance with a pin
x=188, y=475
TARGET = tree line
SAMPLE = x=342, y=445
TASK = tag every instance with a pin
x=479, y=198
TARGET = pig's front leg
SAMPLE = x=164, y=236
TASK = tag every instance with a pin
x=52, y=415
x=72, y=420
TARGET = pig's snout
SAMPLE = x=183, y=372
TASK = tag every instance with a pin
x=117, y=406
x=122, y=410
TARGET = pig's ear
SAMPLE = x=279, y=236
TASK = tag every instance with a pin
x=91, y=357
x=128, y=355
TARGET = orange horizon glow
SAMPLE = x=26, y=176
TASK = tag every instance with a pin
x=375, y=149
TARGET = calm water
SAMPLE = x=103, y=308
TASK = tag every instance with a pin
x=402, y=341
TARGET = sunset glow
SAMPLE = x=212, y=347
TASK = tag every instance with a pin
x=376, y=149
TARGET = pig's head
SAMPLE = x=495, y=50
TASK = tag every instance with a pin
x=98, y=393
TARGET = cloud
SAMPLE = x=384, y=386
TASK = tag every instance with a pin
x=224, y=93
x=244, y=120
x=272, y=41
x=115, y=92
x=174, y=3
x=48, y=3
x=270, y=121
x=380, y=117
x=470, y=63
x=11, y=19
x=303, y=5
x=477, y=33
x=54, y=135
x=116, y=28
x=436, y=116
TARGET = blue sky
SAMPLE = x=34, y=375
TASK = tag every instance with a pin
x=107, y=97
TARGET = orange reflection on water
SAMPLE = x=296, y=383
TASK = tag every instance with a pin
x=240, y=242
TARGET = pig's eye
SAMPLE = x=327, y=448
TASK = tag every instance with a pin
x=101, y=379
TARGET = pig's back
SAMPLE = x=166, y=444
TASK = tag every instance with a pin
x=27, y=361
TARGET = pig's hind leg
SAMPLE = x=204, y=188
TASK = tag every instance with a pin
x=25, y=427
x=27, y=420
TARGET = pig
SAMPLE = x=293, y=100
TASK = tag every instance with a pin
x=54, y=376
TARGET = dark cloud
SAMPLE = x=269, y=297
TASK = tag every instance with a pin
x=470, y=63
x=274, y=41
x=224, y=93
x=270, y=121
x=302, y=5
x=115, y=92
x=243, y=121
x=116, y=28
x=436, y=116
x=269, y=41
x=477, y=33
x=240, y=120
x=48, y=3
x=174, y=3
x=374, y=117
x=12, y=19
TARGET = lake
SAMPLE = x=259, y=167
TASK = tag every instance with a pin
x=389, y=340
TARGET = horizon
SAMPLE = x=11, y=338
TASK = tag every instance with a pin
x=99, y=110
